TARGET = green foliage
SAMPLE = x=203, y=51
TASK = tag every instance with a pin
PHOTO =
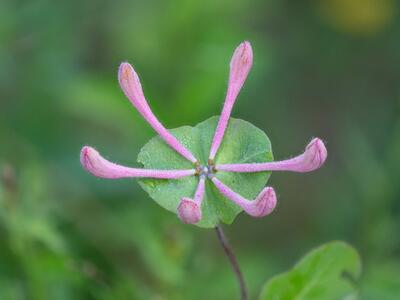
x=242, y=143
x=326, y=273
x=381, y=280
x=31, y=241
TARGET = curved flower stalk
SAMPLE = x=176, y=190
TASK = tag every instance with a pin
x=189, y=210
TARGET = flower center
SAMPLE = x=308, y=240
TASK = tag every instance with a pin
x=206, y=171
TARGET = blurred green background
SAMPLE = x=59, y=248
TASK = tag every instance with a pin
x=327, y=68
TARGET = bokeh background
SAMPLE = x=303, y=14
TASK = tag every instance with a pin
x=327, y=68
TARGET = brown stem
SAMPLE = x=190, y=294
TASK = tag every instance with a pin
x=232, y=259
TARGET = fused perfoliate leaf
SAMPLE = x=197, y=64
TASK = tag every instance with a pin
x=328, y=272
x=243, y=143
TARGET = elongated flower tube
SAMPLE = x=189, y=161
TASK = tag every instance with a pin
x=313, y=157
x=189, y=210
x=263, y=205
x=240, y=66
x=130, y=84
x=97, y=165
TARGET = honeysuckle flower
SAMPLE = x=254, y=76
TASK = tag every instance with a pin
x=189, y=210
x=313, y=157
x=130, y=84
x=93, y=162
x=240, y=66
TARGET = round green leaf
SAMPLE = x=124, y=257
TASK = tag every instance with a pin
x=326, y=273
x=243, y=142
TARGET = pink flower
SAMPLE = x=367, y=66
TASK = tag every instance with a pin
x=189, y=210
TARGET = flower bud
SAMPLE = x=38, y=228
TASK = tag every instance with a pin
x=189, y=211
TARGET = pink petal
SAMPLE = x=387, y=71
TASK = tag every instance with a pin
x=240, y=66
x=313, y=158
x=94, y=163
x=130, y=84
x=263, y=205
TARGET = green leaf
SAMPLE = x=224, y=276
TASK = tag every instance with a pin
x=242, y=142
x=328, y=272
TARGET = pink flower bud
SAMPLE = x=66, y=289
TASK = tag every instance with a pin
x=263, y=205
x=311, y=159
x=189, y=211
x=240, y=66
x=94, y=163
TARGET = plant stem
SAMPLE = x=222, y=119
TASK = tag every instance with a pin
x=232, y=259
